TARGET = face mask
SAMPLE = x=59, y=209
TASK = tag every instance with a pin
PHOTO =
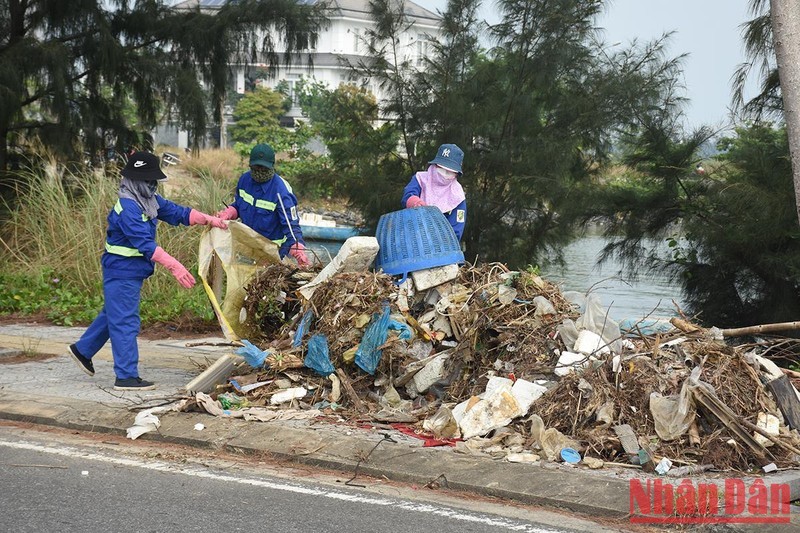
x=447, y=175
x=261, y=174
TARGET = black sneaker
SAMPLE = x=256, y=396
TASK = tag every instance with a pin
x=82, y=362
x=133, y=384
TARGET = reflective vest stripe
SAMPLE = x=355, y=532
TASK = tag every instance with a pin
x=286, y=184
x=123, y=251
x=279, y=241
x=261, y=204
x=118, y=210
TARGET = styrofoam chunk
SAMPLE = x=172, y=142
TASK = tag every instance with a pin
x=355, y=255
x=569, y=362
x=526, y=392
x=431, y=277
x=494, y=412
x=589, y=342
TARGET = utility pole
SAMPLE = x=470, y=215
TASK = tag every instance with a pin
x=223, y=128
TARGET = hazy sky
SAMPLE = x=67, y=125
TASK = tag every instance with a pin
x=708, y=30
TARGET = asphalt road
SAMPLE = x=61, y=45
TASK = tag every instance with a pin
x=60, y=482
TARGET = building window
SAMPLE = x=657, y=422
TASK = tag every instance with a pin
x=356, y=39
x=423, y=47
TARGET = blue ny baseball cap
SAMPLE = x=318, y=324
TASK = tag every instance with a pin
x=449, y=156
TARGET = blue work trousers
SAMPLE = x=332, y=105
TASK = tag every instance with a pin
x=119, y=321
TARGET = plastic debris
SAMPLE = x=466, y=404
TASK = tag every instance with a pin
x=589, y=342
x=569, y=362
x=442, y=424
x=317, y=357
x=553, y=441
x=496, y=411
x=229, y=400
x=369, y=352
x=144, y=422
x=288, y=395
x=430, y=373
x=302, y=327
x=199, y=427
x=570, y=456
x=406, y=333
x=526, y=392
x=663, y=466
x=254, y=356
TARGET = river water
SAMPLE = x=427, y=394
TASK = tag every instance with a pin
x=623, y=297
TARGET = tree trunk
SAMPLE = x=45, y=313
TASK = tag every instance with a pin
x=3, y=150
x=785, y=16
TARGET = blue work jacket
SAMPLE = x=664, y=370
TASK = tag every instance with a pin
x=269, y=208
x=131, y=237
x=457, y=217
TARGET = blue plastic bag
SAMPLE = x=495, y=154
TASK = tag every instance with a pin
x=302, y=328
x=406, y=332
x=317, y=357
x=252, y=354
x=368, y=354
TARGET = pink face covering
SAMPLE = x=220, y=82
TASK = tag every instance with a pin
x=439, y=191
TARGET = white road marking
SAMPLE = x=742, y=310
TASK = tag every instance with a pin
x=286, y=487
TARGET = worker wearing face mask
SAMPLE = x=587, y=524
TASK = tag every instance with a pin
x=438, y=186
x=265, y=202
x=130, y=255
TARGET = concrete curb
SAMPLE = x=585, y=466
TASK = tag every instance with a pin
x=53, y=393
x=560, y=487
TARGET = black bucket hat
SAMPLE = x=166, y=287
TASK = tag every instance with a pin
x=143, y=166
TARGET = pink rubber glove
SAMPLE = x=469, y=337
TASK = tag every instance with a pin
x=174, y=266
x=414, y=201
x=297, y=251
x=197, y=218
x=229, y=213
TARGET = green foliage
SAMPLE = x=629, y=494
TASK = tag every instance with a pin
x=56, y=231
x=731, y=235
x=358, y=151
x=745, y=236
x=46, y=294
x=535, y=116
x=69, y=70
x=256, y=116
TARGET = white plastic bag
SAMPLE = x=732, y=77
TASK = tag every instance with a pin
x=672, y=414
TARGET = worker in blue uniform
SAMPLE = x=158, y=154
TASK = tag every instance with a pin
x=265, y=202
x=130, y=256
x=438, y=186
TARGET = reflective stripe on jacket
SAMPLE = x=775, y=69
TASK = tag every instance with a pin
x=270, y=209
x=131, y=237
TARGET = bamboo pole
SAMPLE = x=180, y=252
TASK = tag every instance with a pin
x=763, y=328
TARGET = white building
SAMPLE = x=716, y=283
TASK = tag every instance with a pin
x=341, y=42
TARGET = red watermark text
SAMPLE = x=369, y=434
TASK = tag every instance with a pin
x=655, y=501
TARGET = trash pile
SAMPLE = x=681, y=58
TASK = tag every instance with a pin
x=502, y=362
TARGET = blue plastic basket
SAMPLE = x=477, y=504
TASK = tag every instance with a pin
x=415, y=239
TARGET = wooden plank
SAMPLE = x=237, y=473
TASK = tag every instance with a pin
x=350, y=391
x=728, y=418
x=786, y=398
x=213, y=375
x=627, y=438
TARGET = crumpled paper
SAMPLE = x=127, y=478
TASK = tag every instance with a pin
x=259, y=414
x=147, y=421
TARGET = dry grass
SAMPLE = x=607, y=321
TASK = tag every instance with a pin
x=217, y=164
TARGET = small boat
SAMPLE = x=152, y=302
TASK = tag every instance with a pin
x=318, y=228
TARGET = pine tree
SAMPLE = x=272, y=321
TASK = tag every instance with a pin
x=69, y=69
